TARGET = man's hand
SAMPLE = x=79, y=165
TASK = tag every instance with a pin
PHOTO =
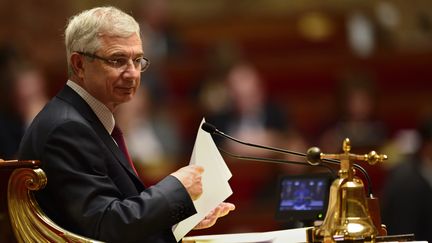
x=220, y=211
x=190, y=176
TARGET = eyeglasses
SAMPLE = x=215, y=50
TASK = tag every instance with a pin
x=121, y=63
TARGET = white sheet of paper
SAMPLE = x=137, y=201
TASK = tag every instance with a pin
x=214, y=181
x=280, y=236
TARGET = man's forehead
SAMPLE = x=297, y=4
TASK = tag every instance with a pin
x=133, y=39
x=121, y=44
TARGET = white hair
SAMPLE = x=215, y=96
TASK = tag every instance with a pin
x=84, y=30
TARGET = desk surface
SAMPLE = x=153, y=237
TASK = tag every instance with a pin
x=280, y=236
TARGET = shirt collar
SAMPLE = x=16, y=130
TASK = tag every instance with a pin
x=101, y=111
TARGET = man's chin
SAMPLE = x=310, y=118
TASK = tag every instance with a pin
x=124, y=98
x=121, y=100
x=126, y=94
x=127, y=98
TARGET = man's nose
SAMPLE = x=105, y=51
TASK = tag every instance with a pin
x=130, y=65
x=131, y=70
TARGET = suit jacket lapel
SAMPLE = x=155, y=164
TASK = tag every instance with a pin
x=70, y=96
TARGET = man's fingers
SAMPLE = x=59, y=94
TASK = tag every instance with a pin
x=208, y=221
x=220, y=211
x=225, y=208
x=191, y=178
x=198, y=168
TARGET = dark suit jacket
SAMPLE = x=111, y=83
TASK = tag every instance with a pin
x=92, y=190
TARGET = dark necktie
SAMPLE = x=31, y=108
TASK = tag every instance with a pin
x=117, y=134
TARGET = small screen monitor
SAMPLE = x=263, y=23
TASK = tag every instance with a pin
x=303, y=198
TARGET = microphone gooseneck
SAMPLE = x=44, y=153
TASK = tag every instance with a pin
x=273, y=160
x=313, y=155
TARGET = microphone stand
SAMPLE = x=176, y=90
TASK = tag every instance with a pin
x=348, y=204
x=312, y=156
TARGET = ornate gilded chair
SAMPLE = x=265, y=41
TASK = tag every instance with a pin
x=28, y=222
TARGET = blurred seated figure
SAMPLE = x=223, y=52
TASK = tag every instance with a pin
x=407, y=195
x=23, y=96
x=250, y=116
x=151, y=135
x=356, y=117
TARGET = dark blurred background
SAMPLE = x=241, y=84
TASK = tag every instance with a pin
x=291, y=74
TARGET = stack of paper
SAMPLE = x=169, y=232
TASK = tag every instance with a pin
x=214, y=181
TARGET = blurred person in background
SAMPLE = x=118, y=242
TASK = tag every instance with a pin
x=356, y=97
x=249, y=115
x=24, y=95
x=407, y=194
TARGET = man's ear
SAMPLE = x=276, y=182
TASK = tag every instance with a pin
x=77, y=64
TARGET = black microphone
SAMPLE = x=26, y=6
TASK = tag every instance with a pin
x=313, y=155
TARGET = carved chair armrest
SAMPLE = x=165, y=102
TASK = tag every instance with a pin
x=28, y=221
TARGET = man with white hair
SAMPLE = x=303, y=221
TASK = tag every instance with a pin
x=93, y=188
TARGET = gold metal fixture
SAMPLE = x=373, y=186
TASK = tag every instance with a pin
x=28, y=221
x=348, y=217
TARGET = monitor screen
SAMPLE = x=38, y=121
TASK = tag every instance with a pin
x=303, y=197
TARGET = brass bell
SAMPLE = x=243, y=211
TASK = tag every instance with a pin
x=348, y=217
